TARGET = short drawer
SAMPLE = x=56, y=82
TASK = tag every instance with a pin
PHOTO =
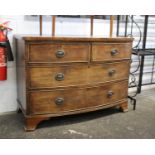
x=59, y=53
x=59, y=101
x=64, y=76
x=107, y=72
x=110, y=52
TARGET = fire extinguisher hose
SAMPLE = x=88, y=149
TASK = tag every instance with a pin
x=8, y=49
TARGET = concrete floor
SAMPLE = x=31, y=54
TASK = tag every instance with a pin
x=109, y=123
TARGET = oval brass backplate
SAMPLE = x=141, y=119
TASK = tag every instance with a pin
x=59, y=101
x=110, y=94
x=59, y=77
x=112, y=72
x=114, y=52
x=60, y=53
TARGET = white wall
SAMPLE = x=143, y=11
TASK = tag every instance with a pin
x=30, y=25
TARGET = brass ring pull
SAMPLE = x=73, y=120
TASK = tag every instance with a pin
x=59, y=101
x=59, y=77
x=110, y=94
x=114, y=52
x=112, y=72
x=60, y=53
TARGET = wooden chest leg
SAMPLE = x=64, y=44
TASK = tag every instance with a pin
x=18, y=110
x=124, y=106
x=32, y=122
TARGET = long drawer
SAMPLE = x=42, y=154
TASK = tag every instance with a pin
x=59, y=101
x=72, y=75
x=110, y=52
x=59, y=52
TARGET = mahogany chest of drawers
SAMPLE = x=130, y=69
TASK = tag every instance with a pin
x=69, y=75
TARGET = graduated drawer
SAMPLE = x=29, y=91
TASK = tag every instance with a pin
x=110, y=52
x=59, y=101
x=62, y=76
x=59, y=52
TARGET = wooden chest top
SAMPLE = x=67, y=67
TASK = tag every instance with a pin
x=73, y=38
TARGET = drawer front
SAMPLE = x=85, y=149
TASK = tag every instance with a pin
x=59, y=53
x=107, y=72
x=48, y=77
x=110, y=52
x=59, y=101
x=51, y=77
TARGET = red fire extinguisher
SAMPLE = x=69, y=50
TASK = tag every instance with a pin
x=3, y=67
x=5, y=55
x=5, y=50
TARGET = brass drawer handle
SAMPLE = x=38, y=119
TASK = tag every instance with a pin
x=59, y=77
x=60, y=53
x=114, y=52
x=59, y=101
x=112, y=72
x=110, y=94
